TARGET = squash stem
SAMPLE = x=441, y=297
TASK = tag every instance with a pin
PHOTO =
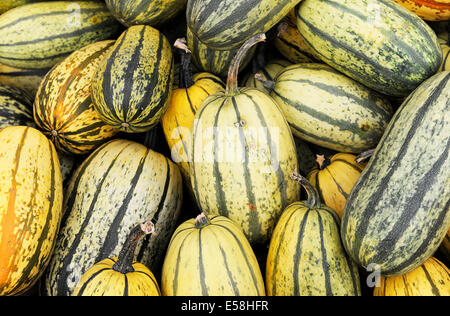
x=201, y=221
x=364, y=156
x=322, y=161
x=313, y=196
x=186, y=79
x=232, y=80
x=268, y=84
x=124, y=262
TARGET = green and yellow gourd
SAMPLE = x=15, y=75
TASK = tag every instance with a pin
x=227, y=24
x=27, y=80
x=120, y=184
x=213, y=60
x=430, y=279
x=266, y=72
x=328, y=109
x=132, y=84
x=63, y=108
x=334, y=178
x=39, y=35
x=210, y=257
x=16, y=107
x=121, y=276
x=306, y=256
x=148, y=12
x=378, y=43
x=30, y=207
x=184, y=103
x=398, y=211
x=241, y=156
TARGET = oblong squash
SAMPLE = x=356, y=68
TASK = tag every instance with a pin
x=398, y=211
x=15, y=107
x=39, y=35
x=132, y=84
x=120, y=184
x=306, y=256
x=148, y=12
x=63, y=108
x=378, y=43
x=30, y=206
x=329, y=109
x=242, y=153
x=210, y=257
x=430, y=279
x=334, y=178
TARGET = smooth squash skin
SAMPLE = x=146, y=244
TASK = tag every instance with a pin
x=397, y=214
x=30, y=207
x=306, y=256
x=210, y=257
x=121, y=276
x=63, y=107
x=241, y=156
x=429, y=10
x=334, y=179
x=39, y=35
x=430, y=279
x=378, y=43
x=132, y=84
x=227, y=24
x=148, y=12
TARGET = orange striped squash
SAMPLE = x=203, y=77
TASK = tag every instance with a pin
x=30, y=206
x=429, y=10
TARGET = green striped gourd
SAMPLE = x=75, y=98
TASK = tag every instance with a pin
x=119, y=185
x=398, y=211
x=149, y=12
x=226, y=24
x=27, y=80
x=210, y=257
x=327, y=108
x=63, y=108
x=39, y=35
x=213, y=60
x=378, y=43
x=15, y=107
x=132, y=84
x=267, y=72
x=242, y=153
x=31, y=202
x=306, y=256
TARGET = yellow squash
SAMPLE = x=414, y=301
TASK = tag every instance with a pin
x=334, y=179
x=430, y=279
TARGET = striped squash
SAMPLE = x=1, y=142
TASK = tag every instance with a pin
x=132, y=84
x=226, y=24
x=210, y=257
x=63, y=108
x=378, y=43
x=329, y=109
x=39, y=35
x=429, y=10
x=121, y=276
x=27, y=80
x=430, y=279
x=30, y=207
x=334, y=178
x=290, y=43
x=148, y=12
x=15, y=107
x=241, y=156
x=398, y=211
x=306, y=256
x=213, y=60
x=267, y=72
x=120, y=184
x=184, y=103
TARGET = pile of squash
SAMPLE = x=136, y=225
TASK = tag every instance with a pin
x=224, y=148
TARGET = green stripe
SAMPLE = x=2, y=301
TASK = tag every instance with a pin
x=349, y=164
x=325, y=265
x=201, y=265
x=298, y=254
x=85, y=284
x=434, y=289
